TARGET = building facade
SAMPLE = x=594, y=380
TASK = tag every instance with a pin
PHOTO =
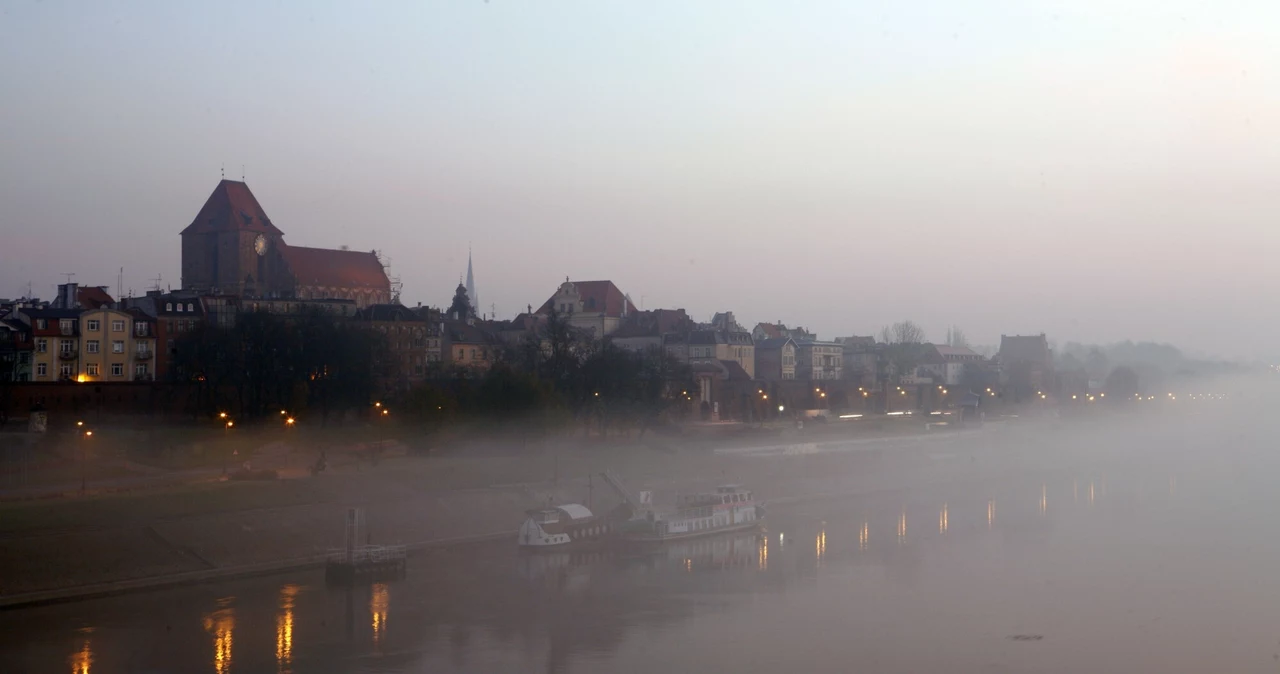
x=233, y=248
x=775, y=359
x=598, y=307
x=818, y=361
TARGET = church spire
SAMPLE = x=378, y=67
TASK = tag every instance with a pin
x=471, y=282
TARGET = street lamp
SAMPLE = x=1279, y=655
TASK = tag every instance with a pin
x=222, y=415
x=226, y=433
x=84, y=459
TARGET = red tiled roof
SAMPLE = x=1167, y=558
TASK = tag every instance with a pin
x=93, y=297
x=231, y=207
x=335, y=268
x=607, y=299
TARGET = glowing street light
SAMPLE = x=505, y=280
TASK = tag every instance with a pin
x=284, y=413
x=289, y=421
x=222, y=415
x=379, y=404
x=781, y=408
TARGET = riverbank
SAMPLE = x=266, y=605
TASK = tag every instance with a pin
x=65, y=549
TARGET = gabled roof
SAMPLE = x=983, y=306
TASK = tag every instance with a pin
x=93, y=297
x=231, y=207
x=597, y=297
x=326, y=267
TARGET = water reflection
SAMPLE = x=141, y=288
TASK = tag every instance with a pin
x=1090, y=492
x=863, y=537
x=378, y=612
x=82, y=660
x=1044, y=499
x=221, y=623
x=820, y=545
x=942, y=520
x=762, y=560
x=284, y=630
x=902, y=527
x=991, y=512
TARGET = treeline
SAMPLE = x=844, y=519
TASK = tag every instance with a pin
x=557, y=378
x=330, y=368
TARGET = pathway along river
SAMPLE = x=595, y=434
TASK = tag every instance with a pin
x=1126, y=557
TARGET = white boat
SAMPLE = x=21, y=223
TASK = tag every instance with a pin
x=563, y=525
x=729, y=508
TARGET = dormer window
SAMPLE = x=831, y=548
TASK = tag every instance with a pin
x=190, y=307
x=168, y=306
x=179, y=307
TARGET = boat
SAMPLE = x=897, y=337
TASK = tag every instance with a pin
x=729, y=508
x=566, y=524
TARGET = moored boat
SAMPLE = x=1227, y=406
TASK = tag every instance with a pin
x=728, y=508
x=565, y=524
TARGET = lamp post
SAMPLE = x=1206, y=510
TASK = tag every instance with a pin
x=226, y=434
x=84, y=459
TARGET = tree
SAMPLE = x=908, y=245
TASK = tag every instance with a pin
x=904, y=347
x=1123, y=383
x=956, y=338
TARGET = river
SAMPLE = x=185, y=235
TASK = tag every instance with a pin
x=1128, y=557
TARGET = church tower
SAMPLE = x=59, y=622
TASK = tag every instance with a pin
x=471, y=285
x=232, y=248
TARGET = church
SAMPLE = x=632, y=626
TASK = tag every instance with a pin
x=233, y=248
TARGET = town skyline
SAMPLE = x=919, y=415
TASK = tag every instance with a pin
x=842, y=174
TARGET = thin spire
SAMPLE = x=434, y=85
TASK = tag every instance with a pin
x=471, y=281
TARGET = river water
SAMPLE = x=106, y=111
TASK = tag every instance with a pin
x=1128, y=555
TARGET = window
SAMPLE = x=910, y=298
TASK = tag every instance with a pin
x=191, y=307
x=117, y=346
x=117, y=369
x=24, y=358
x=42, y=345
x=179, y=307
x=66, y=325
x=42, y=369
x=42, y=324
x=64, y=370
x=94, y=325
x=117, y=326
x=144, y=348
x=91, y=346
x=140, y=329
x=473, y=354
x=168, y=306
x=66, y=346
x=140, y=370
x=91, y=369
x=168, y=344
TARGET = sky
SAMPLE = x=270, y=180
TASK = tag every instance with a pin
x=1096, y=171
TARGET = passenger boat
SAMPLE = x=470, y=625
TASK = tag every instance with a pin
x=565, y=524
x=728, y=508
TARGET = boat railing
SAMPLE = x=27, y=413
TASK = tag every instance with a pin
x=368, y=554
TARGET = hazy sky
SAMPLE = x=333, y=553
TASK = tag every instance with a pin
x=1092, y=169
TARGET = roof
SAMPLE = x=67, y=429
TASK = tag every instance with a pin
x=575, y=511
x=460, y=332
x=1033, y=348
x=389, y=312
x=231, y=207
x=597, y=297
x=771, y=330
x=335, y=268
x=53, y=313
x=773, y=343
x=956, y=351
x=93, y=297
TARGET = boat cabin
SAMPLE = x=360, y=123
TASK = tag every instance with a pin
x=729, y=494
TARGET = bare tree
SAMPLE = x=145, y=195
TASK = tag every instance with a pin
x=903, y=332
x=956, y=337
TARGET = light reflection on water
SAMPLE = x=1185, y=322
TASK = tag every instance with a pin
x=82, y=660
x=378, y=602
x=221, y=624
x=284, y=629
